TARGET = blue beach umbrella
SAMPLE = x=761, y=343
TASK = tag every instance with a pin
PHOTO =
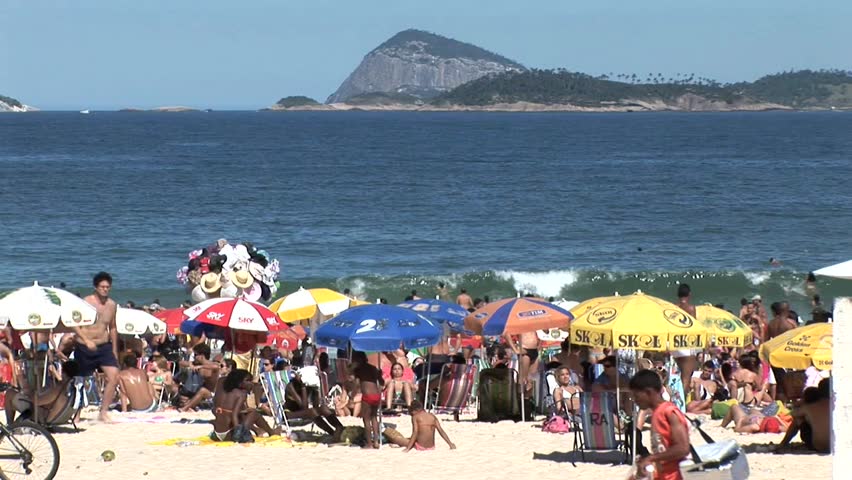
x=439, y=311
x=378, y=328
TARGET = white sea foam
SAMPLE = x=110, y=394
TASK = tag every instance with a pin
x=757, y=278
x=546, y=284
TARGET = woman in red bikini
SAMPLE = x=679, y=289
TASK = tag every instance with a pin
x=370, y=379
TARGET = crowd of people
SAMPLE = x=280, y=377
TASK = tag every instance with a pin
x=167, y=371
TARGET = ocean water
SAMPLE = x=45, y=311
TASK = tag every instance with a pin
x=564, y=205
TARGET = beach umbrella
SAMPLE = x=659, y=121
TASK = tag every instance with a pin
x=839, y=270
x=799, y=348
x=724, y=327
x=172, y=317
x=235, y=314
x=45, y=308
x=589, y=304
x=516, y=315
x=378, y=328
x=438, y=311
x=638, y=322
x=307, y=304
x=288, y=339
x=130, y=321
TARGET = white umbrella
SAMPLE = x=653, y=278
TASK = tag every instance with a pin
x=840, y=270
x=129, y=321
x=45, y=308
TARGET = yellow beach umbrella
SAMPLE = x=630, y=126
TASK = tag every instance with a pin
x=638, y=322
x=724, y=327
x=584, y=306
x=799, y=348
x=305, y=304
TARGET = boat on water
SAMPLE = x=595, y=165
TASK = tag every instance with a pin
x=85, y=112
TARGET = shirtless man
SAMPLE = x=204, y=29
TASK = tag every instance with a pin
x=97, y=344
x=684, y=358
x=464, y=300
x=370, y=380
x=209, y=372
x=133, y=387
x=423, y=428
x=527, y=356
x=703, y=389
x=781, y=322
x=443, y=293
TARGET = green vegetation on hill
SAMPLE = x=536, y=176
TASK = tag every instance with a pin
x=800, y=89
x=444, y=47
x=297, y=101
x=10, y=101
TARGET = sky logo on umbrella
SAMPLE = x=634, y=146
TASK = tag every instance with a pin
x=215, y=316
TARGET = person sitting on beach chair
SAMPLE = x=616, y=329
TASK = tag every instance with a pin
x=398, y=391
x=232, y=419
x=423, y=428
x=297, y=405
x=202, y=376
x=50, y=401
x=564, y=397
x=161, y=378
x=133, y=387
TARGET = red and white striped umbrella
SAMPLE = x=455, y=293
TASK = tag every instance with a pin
x=237, y=314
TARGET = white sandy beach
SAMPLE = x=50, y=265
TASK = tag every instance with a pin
x=485, y=451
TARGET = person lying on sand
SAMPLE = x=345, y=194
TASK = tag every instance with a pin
x=753, y=420
x=423, y=428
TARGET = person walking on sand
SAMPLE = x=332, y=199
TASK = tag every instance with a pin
x=423, y=428
x=669, y=429
x=97, y=344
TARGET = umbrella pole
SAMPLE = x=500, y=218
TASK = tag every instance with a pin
x=35, y=392
x=428, y=370
x=379, y=413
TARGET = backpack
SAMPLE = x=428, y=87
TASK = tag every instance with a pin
x=556, y=424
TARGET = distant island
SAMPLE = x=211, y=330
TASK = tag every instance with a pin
x=421, y=71
x=9, y=104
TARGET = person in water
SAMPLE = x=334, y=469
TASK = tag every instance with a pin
x=423, y=428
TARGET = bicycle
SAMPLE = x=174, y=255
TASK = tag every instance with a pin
x=27, y=450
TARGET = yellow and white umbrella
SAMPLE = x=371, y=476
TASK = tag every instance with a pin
x=306, y=304
x=586, y=305
x=130, y=321
x=799, y=348
x=724, y=327
x=638, y=322
x=45, y=308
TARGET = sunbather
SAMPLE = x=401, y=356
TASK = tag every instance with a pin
x=423, y=428
x=753, y=420
x=397, y=390
x=232, y=419
x=134, y=390
x=564, y=393
x=812, y=420
x=703, y=390
x=298, y=406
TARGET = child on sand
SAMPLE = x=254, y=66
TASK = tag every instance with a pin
x=370, y=380
x=423, y=428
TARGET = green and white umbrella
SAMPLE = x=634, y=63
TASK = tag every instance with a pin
x=129, y=321
x=44, y=308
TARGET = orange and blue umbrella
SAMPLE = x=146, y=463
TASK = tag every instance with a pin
x=517, y=315
x=439, y=311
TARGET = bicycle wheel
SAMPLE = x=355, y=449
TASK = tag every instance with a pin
x=28, y=450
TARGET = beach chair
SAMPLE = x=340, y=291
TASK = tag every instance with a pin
x=546, y=385
x=68, y=405
x=499, y=395
x=454, y=388
x=595, y=424
x=275, y=388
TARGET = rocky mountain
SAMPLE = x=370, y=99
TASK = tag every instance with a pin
x=9, y=104
x=420, y=64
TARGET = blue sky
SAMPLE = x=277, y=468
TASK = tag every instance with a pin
x=109, y=54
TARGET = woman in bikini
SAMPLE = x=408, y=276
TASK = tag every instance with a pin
x=563, y=395
x=230, y=410
x=370, y=380
x=745, y=384
x=397, y=390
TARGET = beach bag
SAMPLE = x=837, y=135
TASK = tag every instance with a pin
x=556, y=424
x=723, y=460
x=193, y=383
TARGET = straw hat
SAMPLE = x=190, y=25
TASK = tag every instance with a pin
x=210, y=282
x=241, y=279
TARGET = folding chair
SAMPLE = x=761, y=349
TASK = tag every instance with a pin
x=275, y=388
x=595, y=424
x=499, y=395
x=454, y=387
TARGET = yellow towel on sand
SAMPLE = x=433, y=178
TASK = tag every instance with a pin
x=276, y=441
